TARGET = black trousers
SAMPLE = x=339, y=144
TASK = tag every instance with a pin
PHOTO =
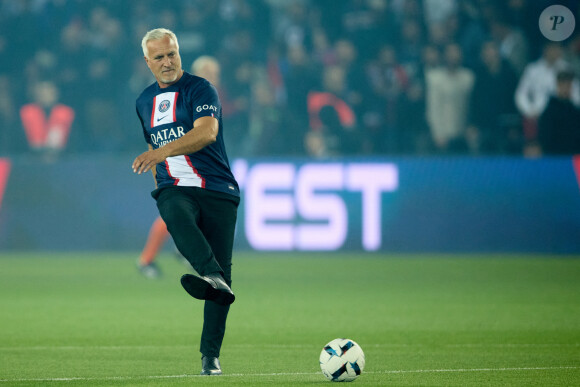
x=202, y=224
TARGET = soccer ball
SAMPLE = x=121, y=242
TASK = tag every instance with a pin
x=342, y=360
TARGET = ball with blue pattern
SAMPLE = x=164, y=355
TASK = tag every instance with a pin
x=342, y=360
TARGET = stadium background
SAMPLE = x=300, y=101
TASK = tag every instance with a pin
x=364, y=174
x=450, y=265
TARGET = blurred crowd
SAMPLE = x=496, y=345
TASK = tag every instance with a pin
x=313, y=78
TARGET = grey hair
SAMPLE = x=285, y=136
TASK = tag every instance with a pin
x=203, y=61
x=156, y=34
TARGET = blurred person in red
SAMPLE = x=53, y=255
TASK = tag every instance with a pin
x=332, y=116
x=46, y=121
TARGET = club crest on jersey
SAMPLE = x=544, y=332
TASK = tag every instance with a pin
x=163, y=109
x=164, y=106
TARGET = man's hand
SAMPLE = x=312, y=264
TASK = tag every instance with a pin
x=147, y=160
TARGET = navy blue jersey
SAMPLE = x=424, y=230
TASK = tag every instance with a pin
x=167, y=114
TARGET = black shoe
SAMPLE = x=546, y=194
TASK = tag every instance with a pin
x=210, y=366
x=210, y=287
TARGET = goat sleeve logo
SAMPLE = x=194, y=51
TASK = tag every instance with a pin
x=206, y=107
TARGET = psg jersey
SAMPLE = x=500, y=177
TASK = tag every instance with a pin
x=167, y=114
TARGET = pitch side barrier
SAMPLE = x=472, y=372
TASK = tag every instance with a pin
x=427, y=204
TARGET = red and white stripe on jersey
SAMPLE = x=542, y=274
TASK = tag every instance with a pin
x=164, y=108
x=183, y=172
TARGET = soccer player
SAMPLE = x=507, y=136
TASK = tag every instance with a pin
x=206, y=67
x=196, y=192
x=156, y=238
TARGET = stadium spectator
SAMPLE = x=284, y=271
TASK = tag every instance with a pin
x=472, y=32
x=355, y=81
x=73, y=62
x=299, y=76
x=323, y=53
x=105, y=39
x=494, y=125
x=448, y=93
x=291, y=24
x=536, y=85
x=331, y=114
x=411, y=45
x=362, y=21
x=10, y=139
x=47, y=122
x=267, y=134
x=239, y=80
x=430, y=60
x=572, y=53
x=439, y=11
x=388, y=80
x=234, y=98
x=79, y=45
x=513, y=45
x=414, y=137
x=559, y=124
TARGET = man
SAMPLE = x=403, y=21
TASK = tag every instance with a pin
x=209, y=68
x=535, y=87
x=448, y=92
x=196, y=193
x=493, y=126
x=559, y=124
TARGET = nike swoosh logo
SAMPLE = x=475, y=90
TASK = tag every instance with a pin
x=159, y=119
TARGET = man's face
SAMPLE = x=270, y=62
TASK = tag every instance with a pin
x=164, y=60
x=564, y=88
x=453, y=55
x=490, y=54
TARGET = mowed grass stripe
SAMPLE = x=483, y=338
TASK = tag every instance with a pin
x=276, y=346
x=93, y=317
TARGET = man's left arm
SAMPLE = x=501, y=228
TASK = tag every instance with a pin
x=204, y=132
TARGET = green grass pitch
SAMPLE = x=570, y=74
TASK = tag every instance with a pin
x=475, y=320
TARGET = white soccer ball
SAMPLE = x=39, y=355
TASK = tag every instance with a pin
x=342, y=360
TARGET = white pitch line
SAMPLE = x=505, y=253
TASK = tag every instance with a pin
x=277, y=346
x=117, y=378
x=479, y=370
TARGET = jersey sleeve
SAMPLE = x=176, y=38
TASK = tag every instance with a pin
x=206, y=102
x=147, y=139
